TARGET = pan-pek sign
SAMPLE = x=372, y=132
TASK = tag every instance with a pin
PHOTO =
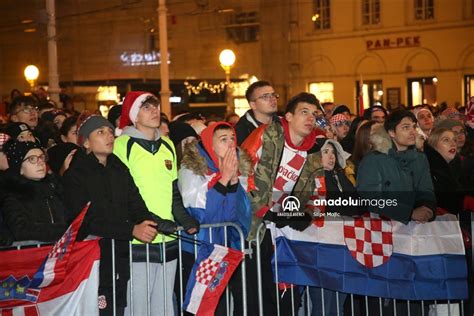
x=398, y=42
x=140, y=59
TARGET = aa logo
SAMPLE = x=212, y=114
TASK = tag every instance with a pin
x=290, y=204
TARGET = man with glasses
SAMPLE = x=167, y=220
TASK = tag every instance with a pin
x=151, y=160
x=263, y=107
x=24, y=109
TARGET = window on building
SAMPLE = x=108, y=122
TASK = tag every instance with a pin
x=243, y=27
x=424, y=9
x=422, y=91
x=322, y=15
x=370, y=12
x=371, y=93
x=324, y=91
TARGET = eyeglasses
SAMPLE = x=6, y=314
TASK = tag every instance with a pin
x=268, y=96
x=34, y=159
x=28, y=109
x=341, y=123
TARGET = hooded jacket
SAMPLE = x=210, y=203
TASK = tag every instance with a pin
x=152, y=164
x=208, y=200
x=265, y=147
x=446, y=181
x=33, y=210
x=404, y=177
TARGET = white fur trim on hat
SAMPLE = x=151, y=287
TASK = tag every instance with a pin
x=136, y=106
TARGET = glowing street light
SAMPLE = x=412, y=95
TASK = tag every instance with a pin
x=227, y=60
x=31, y=74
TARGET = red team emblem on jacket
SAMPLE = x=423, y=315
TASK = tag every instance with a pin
x=168, y=164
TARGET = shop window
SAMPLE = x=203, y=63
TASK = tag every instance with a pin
x=324, y=91
x=371, y=91
x=422, y=90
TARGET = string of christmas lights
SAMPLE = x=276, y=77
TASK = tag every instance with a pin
x=213, y=88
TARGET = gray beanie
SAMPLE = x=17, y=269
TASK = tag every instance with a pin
x=449, y=124
x=89, y=125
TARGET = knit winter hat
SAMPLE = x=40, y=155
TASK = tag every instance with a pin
x=451, y=113
x=16, y=128
x=16, y=152
x=89, y=125
x=114, y=113
x=179, y=131
x=57, y=154
x=448, y=123
x=341, y=109
x=338, y=118
x=131, y=106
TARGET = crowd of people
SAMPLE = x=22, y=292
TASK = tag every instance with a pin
x=146, y=173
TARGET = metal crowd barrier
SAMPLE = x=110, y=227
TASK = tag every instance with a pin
x=182, y=282
x=305, y=309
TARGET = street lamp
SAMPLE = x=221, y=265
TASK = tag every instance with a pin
x=227, y=60
x=31, y=74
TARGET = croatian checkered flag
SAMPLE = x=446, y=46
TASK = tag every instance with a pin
x=211, y=272
x=53, y=268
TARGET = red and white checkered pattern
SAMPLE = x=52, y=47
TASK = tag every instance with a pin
x=369, y=239
x=102, y=302
x=318, y=194
x=60, y=246
x=206, y=271
x=291, y=164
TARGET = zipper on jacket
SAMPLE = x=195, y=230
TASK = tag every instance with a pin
x=50, y=212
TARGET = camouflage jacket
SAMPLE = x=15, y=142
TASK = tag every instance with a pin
x=271, y=139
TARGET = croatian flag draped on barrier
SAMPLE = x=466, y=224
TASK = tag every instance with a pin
x=376, y=257
x=211, y=272
x=61, y=279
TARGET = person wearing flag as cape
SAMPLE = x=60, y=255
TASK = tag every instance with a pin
x=117, y=210
x=151, y=159
x=213, y=181
x=283, y=167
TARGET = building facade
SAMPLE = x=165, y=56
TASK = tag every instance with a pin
x=391, y=52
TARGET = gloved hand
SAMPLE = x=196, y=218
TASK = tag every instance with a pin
x=164, y=226
x=301, y=223
x=191, y=225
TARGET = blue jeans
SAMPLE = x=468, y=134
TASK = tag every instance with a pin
x=330, y=302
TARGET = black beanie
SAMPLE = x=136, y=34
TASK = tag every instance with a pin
x=341, y=109
x=16, y=128
x=57, y=154
x=16, y=152
x=114, y=114
x=179, y=131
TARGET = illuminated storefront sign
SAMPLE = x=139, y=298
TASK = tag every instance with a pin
x=399, y=42
x=139, y=59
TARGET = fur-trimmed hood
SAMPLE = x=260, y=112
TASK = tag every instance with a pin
x=196, y=162
x=380, y=140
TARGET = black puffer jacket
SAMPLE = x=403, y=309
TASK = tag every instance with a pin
x=446, y=181
x=32, y=210
x=116, y=206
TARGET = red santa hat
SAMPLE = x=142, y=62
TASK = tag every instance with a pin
x=131, y=106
